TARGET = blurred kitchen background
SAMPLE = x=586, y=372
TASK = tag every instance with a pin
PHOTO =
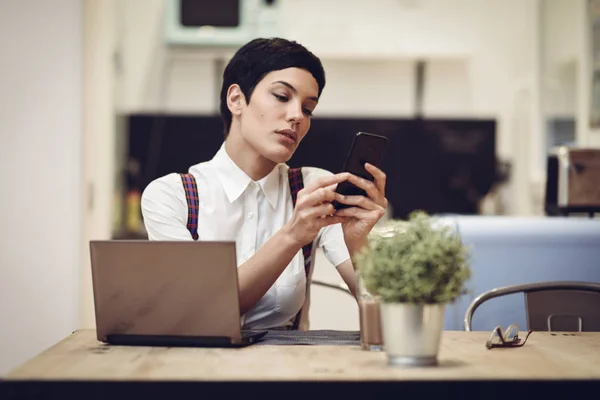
x=471, y=93
x=99, y=97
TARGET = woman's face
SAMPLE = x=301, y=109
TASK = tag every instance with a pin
x=278, y=116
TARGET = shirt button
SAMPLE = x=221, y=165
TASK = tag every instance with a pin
x=250, y=215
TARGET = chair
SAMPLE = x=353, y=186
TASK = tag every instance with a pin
x=551, y=306
x=331, y=286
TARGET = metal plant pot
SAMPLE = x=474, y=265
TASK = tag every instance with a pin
x=412, y=333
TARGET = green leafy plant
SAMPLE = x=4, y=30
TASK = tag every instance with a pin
x=415, y=261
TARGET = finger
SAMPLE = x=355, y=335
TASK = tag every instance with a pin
x=319, y=196
x=372, y=190
x=379, y=175
x=361, y=213
x=330, y=220
x=319, y=211
x=359, y=201
x=332, y=187
x=355, y=212
x=325, y=181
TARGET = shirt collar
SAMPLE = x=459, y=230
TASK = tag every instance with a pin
x=270, y=186
x=235, y=181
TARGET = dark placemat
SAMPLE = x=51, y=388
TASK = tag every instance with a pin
x=316, y=337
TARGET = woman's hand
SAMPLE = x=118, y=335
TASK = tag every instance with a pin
x=359, y=219
x=314, y=210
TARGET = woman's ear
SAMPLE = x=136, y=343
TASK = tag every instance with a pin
x=236, y=100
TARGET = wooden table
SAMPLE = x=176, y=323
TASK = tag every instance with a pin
x=552, y=362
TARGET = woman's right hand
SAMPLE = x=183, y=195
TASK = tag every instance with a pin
x=314, y=210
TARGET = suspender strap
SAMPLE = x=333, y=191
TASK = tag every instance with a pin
x=296, y=185
x=191, y=196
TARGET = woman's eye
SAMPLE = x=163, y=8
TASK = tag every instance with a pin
x=280, y=97
x=307, y=112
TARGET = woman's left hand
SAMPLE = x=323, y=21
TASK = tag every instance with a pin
x=364, y=211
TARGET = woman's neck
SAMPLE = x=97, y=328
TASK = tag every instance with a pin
x=247, y=158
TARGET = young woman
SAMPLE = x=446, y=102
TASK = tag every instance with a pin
x=247, y=193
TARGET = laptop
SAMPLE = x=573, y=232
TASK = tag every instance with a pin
x=167, y=293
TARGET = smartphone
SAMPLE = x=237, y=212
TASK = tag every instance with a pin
x=365, y=148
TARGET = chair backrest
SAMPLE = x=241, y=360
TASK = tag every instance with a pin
x=339, y=288
x=551, y=306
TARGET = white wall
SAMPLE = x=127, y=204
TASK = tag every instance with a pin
x=373, y=44
x=567, y=58
x=40, y=172
x=560, y=47
x=100, y=138
x=586, y=135
x=566, y=62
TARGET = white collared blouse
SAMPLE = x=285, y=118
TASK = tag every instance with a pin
x=233, y=207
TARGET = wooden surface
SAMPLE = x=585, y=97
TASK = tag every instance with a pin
x=463, y=356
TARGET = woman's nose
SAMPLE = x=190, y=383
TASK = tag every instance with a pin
x=295, y=114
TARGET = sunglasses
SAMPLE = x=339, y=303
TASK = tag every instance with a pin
x=506, y=338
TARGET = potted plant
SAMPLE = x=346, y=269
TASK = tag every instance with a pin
x=414, y=268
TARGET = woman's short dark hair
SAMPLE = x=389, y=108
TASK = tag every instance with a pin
x=256, y=59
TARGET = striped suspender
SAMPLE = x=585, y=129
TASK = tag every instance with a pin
x=296, y=185
x=191, y=196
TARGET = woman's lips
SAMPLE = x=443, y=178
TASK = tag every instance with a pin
x=288, y=135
